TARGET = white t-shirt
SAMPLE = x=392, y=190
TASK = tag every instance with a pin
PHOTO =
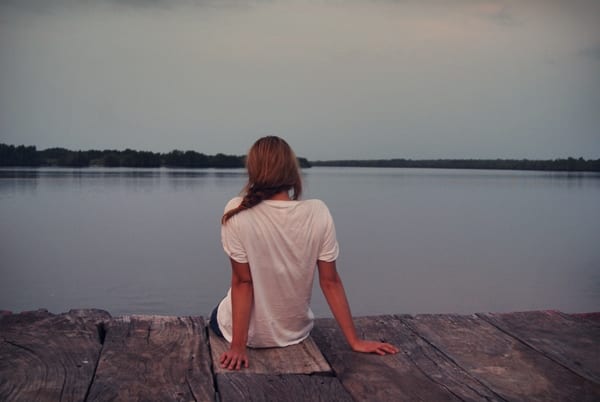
x=281, y=241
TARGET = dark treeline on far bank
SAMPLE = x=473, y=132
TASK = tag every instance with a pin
x=22, y=155
x=568, y=164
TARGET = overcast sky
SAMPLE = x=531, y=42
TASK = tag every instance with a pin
x=337, y=79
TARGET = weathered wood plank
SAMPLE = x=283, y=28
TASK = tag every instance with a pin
x=507, y=366
x=571, y=341
x=303, y=358
x=48, y=357
x=236, y=387
x=516, y=356
x=593, y=317
x=154, y=358
x=417, y=372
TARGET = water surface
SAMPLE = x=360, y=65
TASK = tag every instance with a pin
x=412, y=240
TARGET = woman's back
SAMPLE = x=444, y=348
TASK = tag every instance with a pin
x=281, y=241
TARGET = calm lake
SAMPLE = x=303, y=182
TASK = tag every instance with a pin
x=411, y=240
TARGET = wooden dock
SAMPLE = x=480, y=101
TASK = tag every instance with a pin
x=88, y=355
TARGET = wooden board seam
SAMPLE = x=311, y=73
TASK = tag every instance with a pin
x=532, y=347
x=302, y=358
x=453, y=361
x=101, y=326
x=432, y=379
x=210, y=361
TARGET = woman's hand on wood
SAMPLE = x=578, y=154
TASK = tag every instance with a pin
x=380, y=348
x=234, y=358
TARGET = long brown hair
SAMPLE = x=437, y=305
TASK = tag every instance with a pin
x=272, y=168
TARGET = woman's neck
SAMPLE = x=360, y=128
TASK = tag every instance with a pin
x=282, y=196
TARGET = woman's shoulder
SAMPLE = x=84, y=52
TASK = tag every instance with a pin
x=316, y=204
x=233, y=203
x=313, y=201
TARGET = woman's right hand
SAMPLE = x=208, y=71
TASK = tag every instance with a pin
x=380, y=348
x=234, y=358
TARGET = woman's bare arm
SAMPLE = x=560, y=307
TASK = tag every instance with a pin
x=333, y=290
x=242, y=296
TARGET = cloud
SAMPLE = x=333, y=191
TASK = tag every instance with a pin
x=591, y=52
x=497, y=12
x=504, y=17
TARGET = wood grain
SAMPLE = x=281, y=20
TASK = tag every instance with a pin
x=504, y=364
x=88, y=355
x=235, y=387
x=303, y=358
x=571, y=341
x=48, y=357
x=417, y=372
x=154, y=358
x=593, y=317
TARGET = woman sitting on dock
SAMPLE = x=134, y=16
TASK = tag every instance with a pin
x=274, y=242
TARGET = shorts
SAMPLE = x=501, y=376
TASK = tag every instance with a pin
x=214, y=324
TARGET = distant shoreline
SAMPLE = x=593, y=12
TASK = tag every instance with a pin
x=555, y=165
x=29, y=156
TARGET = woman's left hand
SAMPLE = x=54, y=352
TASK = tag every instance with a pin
x=380, y=348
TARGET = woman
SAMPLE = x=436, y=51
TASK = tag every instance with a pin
x=274, y=241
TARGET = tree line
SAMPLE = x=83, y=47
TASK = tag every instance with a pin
x=568, y=164
x=21, y=155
